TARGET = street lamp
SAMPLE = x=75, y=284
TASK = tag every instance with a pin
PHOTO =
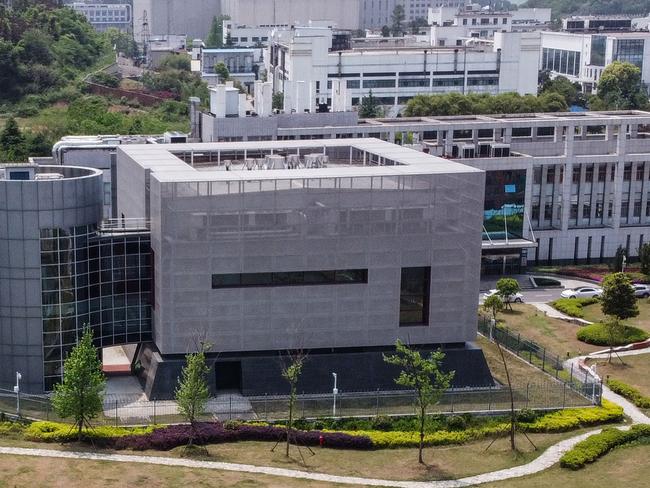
x=17, y=392
x=624, y=263
x=335, y=392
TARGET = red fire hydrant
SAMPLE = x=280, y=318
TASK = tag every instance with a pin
x=321, y=440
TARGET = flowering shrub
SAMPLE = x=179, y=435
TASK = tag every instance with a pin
x=595, y=273
x=215, y=433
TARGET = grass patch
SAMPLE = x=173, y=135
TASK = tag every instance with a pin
x=558, y=336
x=593, y=313
x=596, y=446
x=573, y=307
x=596, y=334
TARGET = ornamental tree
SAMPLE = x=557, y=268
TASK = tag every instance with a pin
x=192, y=392
x=507, y=288
x=423, y=375
x=81, y=393
x=618, y=303
x=291, y=372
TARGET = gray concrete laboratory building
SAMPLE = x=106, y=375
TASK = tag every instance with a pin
x=333, y=247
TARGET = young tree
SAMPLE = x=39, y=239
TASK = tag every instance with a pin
x=644, y=258
x=493, y=305
x=506, y=289
x=618, y=303
x=81, y=393
x=397, y=20
x=192, y=392
x=221, y=70
x=385, y=31
x=422, y=375
x=369, y=107
x=291, y=371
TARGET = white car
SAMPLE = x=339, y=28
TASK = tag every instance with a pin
x=641, y=291
x=517, y=297
x=583, y=292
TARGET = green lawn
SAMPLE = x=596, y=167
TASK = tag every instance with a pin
x=624, y=467
x=443, y=462
x=558, y=336
x=593, y=313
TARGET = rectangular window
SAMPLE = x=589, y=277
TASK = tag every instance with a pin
x=290, y=278
x=414, y=296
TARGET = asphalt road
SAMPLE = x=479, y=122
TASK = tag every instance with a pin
x=538, y=295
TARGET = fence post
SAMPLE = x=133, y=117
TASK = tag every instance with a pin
x=377, y=404
x=452, y=402
x=518, y=342
x=116, y=413
x=527, y=393
x=154, y=411
x=544, y=359
x=490, y=398
x=266, y=414
x=571, y=374
x=230, y=408
x=564, y=396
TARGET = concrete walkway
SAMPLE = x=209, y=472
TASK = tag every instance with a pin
x=551, y=456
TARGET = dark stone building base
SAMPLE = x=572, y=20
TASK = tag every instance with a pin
x=261, y=373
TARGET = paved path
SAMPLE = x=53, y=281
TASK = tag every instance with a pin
x=546, y=460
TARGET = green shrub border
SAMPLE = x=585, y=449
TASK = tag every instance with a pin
x=596, y=334
x=629, y=392
x=597, y=445
x=573, y=307
x=45, y=431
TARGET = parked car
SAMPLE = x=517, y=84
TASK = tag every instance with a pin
x=517, y=297
x=583, y=292
x=641, y=291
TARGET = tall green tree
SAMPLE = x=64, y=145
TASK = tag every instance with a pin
x=493, y=305
x=215, y=35
x=618, y=303
x=192, y=392
x=424, y=376
x=277, y=102
x=369, y=107
x=616, y=264
x=385, y=31
x=80, y=394
x=644, y=258
x=397, y=18
x=620, y=88
x=13, y=147
x=221, y=70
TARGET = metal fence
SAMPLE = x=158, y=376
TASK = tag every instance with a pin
x=132, y=411
x=540, y=357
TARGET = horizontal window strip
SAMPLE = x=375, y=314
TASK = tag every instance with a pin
x=290, y=278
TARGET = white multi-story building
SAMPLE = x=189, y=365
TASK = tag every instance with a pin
x=582, y=54
x=106, y=15
x=397, y=73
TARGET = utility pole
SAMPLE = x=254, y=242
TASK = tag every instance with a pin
x=17, y=392
x=335, y=392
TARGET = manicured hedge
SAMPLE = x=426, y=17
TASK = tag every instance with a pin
x=11, y=428
x=573, y=306
x=559, y=421
x=57, y=432
x=598, y=445
x=216, y=433
x=629, y=392
x=597, y=335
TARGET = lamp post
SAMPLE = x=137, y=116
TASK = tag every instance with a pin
x=17, y=392
x=335, y=392
x=624, y=263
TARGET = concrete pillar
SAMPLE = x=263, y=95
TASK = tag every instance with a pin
x=568, y=176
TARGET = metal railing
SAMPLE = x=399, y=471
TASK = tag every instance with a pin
x=126, y=224
x=578, y=381
x=122, y=410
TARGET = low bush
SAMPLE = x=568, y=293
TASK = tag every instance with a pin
x=573, y=306
x=544, y=282
x=597, y=335
x=11, y=429
x=598, y=445
x=629, y=392
x=172, y=436
x=58, y=432
x=574, y=418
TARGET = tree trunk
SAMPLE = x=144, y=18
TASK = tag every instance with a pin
x=79, y=432
x=290, y=423
x=513, y=418
x=422, y=414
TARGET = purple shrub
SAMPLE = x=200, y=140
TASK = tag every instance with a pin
x=172, y=436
